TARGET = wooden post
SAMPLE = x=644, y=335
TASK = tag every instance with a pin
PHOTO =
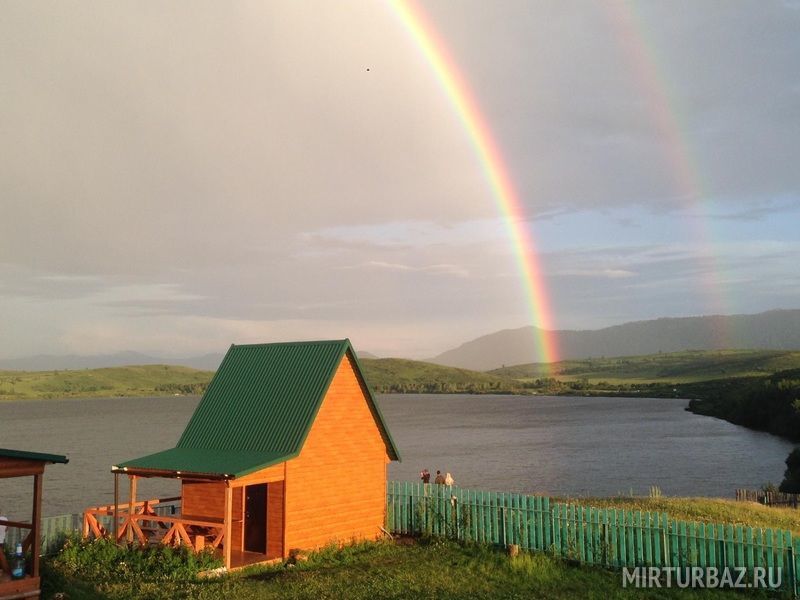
x=116, y=507
x=284, y=550
x=228, y=524
x=133, y=482
x=36, y=521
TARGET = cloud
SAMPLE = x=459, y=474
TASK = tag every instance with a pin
x=601, y=273
x=175, y=177
x=441, y=269
x=757, y=209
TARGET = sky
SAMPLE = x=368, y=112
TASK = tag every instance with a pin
x=176, y=177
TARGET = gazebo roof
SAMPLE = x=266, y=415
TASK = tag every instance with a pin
x=35, y=456
x=257, y=411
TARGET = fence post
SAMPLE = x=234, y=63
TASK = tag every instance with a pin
x=454, y=500
x=547, y=524
x=795, y=567
x=503, y=522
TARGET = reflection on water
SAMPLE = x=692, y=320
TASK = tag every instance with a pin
x=595, y=446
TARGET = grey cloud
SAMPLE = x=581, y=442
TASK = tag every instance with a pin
x=757, y=209
x=24, y=283
x=228, y=168
x=437, y=269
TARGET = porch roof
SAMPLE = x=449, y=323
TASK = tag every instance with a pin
x=186, y=462
x=36, y=456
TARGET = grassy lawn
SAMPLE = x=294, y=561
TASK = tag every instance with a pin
x=435, y=569
x=706, y=510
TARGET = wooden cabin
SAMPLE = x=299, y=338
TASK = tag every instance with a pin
x=18, y=463
x=286, y=450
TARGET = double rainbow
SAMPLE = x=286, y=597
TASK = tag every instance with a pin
x=489, y=156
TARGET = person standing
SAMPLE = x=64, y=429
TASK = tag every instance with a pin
x=448, y=480
x=425, y=476
x=439, y=478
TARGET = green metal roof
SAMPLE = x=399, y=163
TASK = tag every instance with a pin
x=258, y=409
x=38, y=456
x=195, y=461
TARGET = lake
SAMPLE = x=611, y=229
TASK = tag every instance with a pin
x=537, y=444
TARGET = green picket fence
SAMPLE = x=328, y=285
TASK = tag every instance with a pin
x=593, y=536
x=53, y=530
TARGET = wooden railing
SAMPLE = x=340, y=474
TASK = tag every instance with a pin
x=145, y=523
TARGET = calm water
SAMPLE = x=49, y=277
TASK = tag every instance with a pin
x=575, y=446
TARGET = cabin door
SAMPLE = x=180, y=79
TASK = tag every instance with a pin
x=255, y=518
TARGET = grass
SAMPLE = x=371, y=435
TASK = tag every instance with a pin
x=149, y=380
x=705, y=510
x=426, y=569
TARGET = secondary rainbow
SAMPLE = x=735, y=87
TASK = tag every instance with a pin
x=489, y=156
x=653, y=85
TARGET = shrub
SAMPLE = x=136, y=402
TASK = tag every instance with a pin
x=103, y=560
x=791, y=481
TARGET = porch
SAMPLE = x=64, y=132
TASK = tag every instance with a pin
x=241, y=523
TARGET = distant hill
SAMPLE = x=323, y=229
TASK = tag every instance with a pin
x=384, y=375
x=53, y=362
x=387, y=375
x=693, y=374
x=667, y=367
x=772, y=330
x=149, y=380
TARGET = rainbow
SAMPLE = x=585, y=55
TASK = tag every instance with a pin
x=489, y=156
x=653, y=84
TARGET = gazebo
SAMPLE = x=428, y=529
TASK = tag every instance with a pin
x=286, y=450
x=18, y=463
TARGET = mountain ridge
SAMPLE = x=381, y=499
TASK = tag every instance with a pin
x=773, y=330
x=71, y=362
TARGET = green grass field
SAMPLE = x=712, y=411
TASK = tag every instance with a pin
x=704, y=510
x=425, y=568
x=432, y=569
x=151, y=380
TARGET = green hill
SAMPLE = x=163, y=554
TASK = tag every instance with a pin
x=771, y=330
x=668, y=367
x=385, y=375
x=696, y=374
x=149, y=380
x=388, y=375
